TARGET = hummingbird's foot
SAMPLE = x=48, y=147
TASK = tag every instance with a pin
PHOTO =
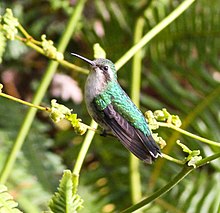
x=106, y=133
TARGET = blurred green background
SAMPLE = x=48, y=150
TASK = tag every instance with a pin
x=180, y=72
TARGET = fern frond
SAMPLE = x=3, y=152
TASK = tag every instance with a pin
x=203, y=197
x=66, y=200
x=7, y=204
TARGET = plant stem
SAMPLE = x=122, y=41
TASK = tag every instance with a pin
x=197, y=110
x=152, y=33
x=27, y=35
x=24, y=32
x=74, y=67
x=85, y=146
x=47, y=109
x=41, y=51
x=24, y=102
x=167, y=157
x=207, y=159
x=30, y=43
x=134, y=162
x=185, y=171
x=51, y=69
x=204, y=140
x=135, y=179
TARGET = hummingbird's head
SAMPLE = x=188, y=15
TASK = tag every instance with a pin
x=103, y=68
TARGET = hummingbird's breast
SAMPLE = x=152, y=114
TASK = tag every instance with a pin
x=94, y=86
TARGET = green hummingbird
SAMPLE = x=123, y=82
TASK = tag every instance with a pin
x=109, y=105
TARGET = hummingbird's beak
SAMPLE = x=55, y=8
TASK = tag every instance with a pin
x=84, y=59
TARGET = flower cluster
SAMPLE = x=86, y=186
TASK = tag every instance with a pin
x=9, y=24
x=50, y=50
x=59, y=112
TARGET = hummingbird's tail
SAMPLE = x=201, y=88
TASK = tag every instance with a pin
x=149, y=143
x=152, y=147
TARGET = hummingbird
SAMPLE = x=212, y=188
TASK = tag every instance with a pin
x=109, y=105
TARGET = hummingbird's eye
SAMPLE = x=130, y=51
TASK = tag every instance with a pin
x=105, y=68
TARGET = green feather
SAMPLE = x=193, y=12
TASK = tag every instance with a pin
x=114, y=95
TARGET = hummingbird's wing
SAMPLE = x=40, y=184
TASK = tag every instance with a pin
x=141, y=145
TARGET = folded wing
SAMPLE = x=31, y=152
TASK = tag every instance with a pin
x=141, y=145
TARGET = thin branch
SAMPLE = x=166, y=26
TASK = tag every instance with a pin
x=174, y=160
x=153, y=32
x=135, y=170
x=185, y=171
x=135, y=179
x=84, y=149
x=51, y=69
x=207, y=160
x=33, y=45
x=25, y=102
x=204, y=140
x=47, y=109
x=27, y=35
x=74, y=67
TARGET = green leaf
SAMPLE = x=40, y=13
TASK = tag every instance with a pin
x=7, y=204
x=66, y=200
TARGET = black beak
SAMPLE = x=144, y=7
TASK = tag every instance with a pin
x=84, y=59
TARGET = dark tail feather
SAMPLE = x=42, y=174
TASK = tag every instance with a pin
x=152, y=147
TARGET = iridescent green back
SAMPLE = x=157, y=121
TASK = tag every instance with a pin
x=116, y=96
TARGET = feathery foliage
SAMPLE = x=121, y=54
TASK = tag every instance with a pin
x=7, y=204
x=180, y=72
x=66, y=200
